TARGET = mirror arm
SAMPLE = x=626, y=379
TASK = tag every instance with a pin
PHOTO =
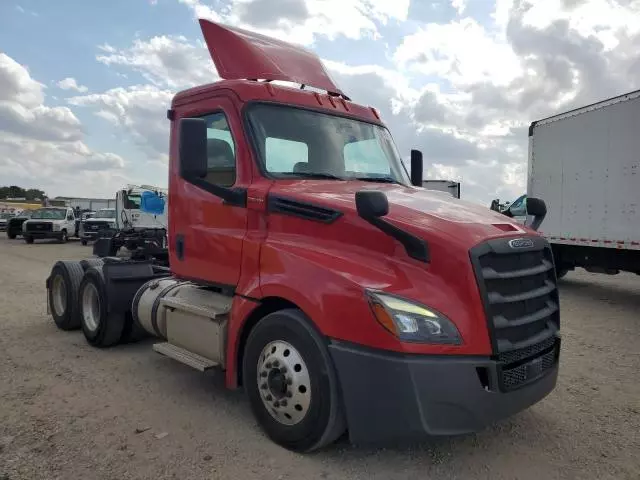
x=537, y=221
x=231, y=196
x=416, y=247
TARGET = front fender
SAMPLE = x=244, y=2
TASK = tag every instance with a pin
x=327, y=282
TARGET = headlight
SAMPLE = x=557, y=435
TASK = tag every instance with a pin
x=412, y=322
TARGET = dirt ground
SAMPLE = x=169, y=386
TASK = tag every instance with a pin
x=69, y=411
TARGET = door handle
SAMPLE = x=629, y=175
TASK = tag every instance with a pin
x=180, y=247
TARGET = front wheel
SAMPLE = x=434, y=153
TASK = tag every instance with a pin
x=28, y=239
x=83, y=241
x=63, y=236
x=11, y=235
x=291, y=382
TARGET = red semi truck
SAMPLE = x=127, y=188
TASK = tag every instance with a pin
x=306, y=263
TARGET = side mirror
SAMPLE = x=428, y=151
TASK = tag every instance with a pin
x=416, y=168
x=193, y=148
x=69, y=217
x=371, y=204
x=537, y=208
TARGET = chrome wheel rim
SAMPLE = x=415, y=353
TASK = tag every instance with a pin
x=91, y=307
x=59, y=295
x=284, y=383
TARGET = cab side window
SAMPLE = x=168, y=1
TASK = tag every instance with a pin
x=221, y=154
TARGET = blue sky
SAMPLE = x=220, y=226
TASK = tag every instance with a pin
x=460, y=79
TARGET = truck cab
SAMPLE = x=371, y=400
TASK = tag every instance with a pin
x=130, y=215
x=50, y=222
x=308, y=263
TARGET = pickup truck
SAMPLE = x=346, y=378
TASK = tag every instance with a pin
x=49, y=222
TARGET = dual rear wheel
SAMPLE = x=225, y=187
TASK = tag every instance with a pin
x=77, y=300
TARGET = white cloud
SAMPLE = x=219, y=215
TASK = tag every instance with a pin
x=166, y=61
x=70, y=83
x=464, y=91
x=302, y=21
x=138, y=111
x=462, y=52
x=42, y=146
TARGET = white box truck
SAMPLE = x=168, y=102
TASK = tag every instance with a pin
x=585, y=164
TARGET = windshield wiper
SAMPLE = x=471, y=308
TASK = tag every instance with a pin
x=327, y=176
x=377, y=179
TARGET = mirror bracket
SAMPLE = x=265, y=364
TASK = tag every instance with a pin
x=372, y=205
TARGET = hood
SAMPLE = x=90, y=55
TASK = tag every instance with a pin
x=420, y=211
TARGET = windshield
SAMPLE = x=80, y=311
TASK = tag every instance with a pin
x=108, y=213
x=132, y=201
x=7, y=215
x=297, y=143
x=50, y=214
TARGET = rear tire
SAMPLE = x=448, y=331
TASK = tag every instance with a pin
x=100, y=328
x=308, y=383
x=87, y=263
x=64, y=283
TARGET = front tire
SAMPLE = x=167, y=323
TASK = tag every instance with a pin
x=63, y=286
x=11, y=235
x=63, y=236
x=100, y=328
x=291, y=382
x=83, y=241
x=28, y=239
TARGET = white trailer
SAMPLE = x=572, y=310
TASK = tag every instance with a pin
x=449, y=186
x=585, y=164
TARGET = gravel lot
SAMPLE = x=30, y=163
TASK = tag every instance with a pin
x=69, y=411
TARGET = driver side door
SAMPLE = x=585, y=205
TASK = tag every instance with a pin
x=207, y=233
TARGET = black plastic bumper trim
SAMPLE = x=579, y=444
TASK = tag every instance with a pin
x=391, y=396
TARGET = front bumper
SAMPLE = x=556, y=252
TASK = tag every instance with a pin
x=36, y=234
x=393, y=396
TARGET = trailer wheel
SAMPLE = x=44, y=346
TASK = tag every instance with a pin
x=63, y=285
x=291, y=382
x=100, y=328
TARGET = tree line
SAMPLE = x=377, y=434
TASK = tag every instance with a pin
x=14, y=191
